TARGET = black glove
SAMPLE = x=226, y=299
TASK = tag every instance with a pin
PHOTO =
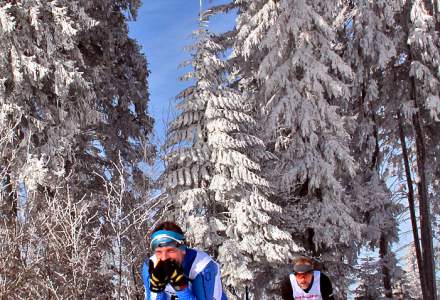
x=160, y=274
x=178, y=279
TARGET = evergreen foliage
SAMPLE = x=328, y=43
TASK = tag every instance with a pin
x=305, y=129
x=75, y=130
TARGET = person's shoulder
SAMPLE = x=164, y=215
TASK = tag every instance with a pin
x=145, y=262
x=198, y=261
x=152, y=257
x=286, y=288
x=324, y=277
x=190, y=254
x=145, y=270
x=326, y=286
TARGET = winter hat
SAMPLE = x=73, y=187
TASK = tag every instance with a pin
x=167, y=238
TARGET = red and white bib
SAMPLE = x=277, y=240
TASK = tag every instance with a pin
x=313, y=294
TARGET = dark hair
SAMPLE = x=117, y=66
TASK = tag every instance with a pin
x=171, y=226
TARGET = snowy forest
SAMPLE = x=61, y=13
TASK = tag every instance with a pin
x=310, y=128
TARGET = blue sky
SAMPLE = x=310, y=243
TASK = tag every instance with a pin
x=163, y=28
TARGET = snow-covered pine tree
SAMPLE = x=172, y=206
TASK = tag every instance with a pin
x=289, y=49
x=38, y=75
x=419, y=82
x=423, y=43
x=370, y=49
x=119, y=145
x=227, y=210
x=411, y=283
x=369, y=280
x=188, y=166
x=254, y=247
x=395, y=92
x=73, y=95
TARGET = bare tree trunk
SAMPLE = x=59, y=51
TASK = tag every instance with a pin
x=425, y=212
x=411, y=204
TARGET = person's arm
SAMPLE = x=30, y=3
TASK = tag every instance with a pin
x=146, y=279
x=186, y=294
x=207, y=284
x=326, y=288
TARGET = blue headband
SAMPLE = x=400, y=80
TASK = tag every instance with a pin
x=167, y=238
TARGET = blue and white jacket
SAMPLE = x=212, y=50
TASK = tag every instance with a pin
x=204, y=279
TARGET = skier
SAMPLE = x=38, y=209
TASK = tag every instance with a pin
x=178, y=272
x=306, y=283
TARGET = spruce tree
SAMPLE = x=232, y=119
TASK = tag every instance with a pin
x=74, y=115
x=188, y=166
x=229, y=212
x=289, y=53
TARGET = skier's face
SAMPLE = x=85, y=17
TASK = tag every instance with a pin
x=304, y=279
x=175, y=254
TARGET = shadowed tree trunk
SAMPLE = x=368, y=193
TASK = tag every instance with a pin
x=411, y=202
x=429, y=292
x=425, y=212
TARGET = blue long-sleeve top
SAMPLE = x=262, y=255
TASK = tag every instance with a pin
x=204, y=279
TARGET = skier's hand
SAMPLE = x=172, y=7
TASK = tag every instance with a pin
x=160, y=274
x=178, y=279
